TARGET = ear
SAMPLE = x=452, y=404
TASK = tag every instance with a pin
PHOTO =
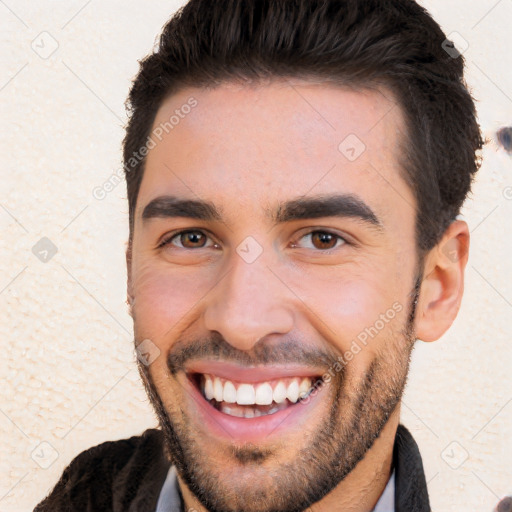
x=129, y=288
x=443, y=283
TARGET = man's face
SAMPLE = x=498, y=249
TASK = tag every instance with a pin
x=263, y=286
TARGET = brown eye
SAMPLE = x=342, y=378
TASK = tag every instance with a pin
x=324, y=240
x=191, y=239
x=194, y=238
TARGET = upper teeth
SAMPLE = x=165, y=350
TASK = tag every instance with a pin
x=263, y=393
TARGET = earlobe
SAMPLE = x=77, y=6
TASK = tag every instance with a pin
x=443, y=283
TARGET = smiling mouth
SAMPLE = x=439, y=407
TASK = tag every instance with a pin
x=252, y=400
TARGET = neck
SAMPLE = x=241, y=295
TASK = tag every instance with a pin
x=357, y=492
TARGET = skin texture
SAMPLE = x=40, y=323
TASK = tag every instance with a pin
x=246, y=149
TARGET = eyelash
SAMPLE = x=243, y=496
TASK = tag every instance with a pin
x=167, y=240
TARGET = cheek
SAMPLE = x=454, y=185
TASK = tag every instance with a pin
x=359, y=314
x=164, y=299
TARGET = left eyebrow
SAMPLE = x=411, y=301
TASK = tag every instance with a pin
x=341, y=205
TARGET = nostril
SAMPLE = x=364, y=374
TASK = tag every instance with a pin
x=505, y=138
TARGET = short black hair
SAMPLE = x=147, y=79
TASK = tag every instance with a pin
x=361, y=43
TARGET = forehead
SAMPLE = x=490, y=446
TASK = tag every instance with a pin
x=254, y=146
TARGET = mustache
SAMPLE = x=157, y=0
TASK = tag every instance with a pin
x=214, y=347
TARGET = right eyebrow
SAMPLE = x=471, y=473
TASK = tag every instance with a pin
x=171, y=206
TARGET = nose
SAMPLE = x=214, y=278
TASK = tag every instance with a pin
x=248, y=303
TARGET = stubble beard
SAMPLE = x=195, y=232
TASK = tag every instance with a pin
x=358, y=414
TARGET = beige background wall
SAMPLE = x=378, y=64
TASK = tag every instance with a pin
x=67, y=365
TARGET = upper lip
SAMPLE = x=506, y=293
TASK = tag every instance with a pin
x=253, y=374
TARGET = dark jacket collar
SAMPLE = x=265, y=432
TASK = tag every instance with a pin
x=410, y=485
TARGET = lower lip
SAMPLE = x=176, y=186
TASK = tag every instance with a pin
x=237, y=429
